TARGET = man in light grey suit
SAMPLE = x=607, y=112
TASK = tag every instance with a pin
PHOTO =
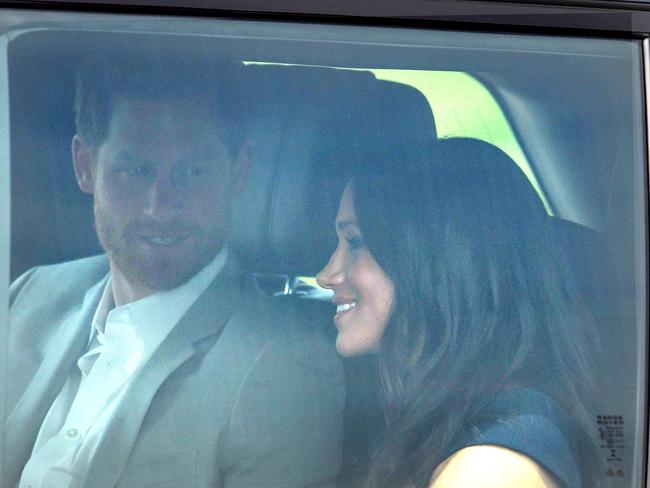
x=158, y=364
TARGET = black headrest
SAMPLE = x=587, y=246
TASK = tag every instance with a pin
x=303, y=117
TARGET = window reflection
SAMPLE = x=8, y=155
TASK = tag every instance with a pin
x=248, y=162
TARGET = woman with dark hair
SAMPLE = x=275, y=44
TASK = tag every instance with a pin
x=449, y=268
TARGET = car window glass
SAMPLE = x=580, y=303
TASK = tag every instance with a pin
x=314, y=103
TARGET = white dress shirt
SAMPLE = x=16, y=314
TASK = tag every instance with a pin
x=122, y=340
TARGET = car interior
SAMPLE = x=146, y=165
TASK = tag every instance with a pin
x=570, y=113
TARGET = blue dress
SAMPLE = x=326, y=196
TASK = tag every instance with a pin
x=531, y=423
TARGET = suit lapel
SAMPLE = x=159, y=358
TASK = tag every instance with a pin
x=207, y=316
x=65, y=349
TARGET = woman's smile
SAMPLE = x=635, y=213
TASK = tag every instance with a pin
x=344, y=307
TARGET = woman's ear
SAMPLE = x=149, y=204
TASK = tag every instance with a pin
x=83, y=165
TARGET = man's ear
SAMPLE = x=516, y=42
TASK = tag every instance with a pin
x=242, y=167
x=83, y=165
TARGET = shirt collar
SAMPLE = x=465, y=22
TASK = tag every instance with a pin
x=158, y=313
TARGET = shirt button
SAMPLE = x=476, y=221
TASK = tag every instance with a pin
x=72, y=433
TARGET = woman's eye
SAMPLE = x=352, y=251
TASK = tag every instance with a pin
x=355, y=242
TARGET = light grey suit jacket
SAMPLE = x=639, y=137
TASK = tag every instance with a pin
x=240, y=394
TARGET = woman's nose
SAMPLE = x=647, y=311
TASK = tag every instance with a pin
x=332, y=274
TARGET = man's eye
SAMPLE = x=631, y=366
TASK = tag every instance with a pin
x=139, y=170
x=193, y=171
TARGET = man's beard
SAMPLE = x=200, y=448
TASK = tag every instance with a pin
x=157, y=272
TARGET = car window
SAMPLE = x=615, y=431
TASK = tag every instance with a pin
x=464, y=107
x=529, y=269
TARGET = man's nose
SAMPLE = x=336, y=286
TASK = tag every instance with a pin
x=332, y=275
x=165, y=198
